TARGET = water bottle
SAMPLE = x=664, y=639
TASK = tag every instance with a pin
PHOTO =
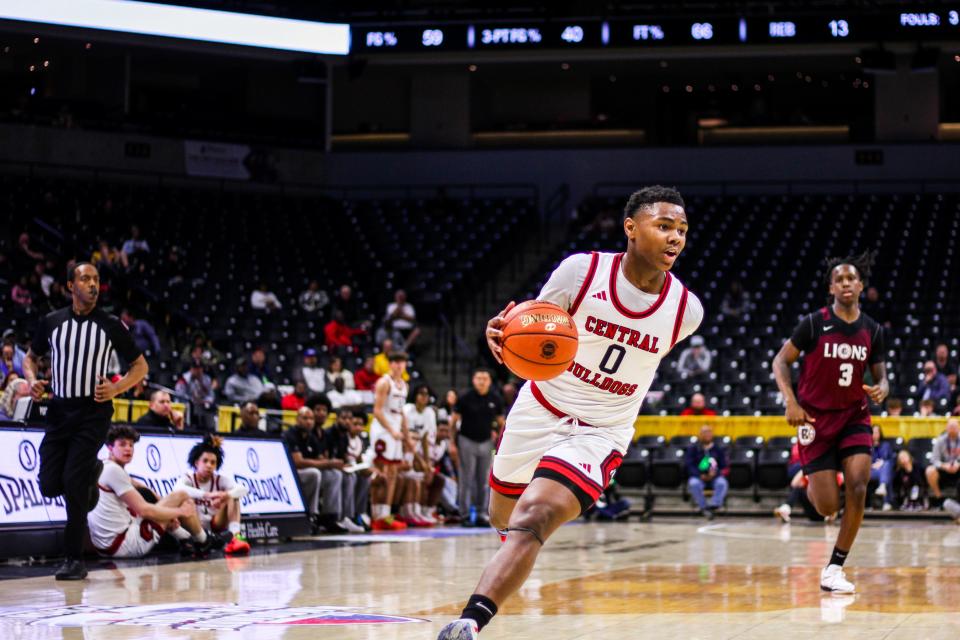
x=473, y=516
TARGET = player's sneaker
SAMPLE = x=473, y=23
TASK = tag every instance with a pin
x=388, y=524
x=887, y=507
x=832, y=579
x=462, y=629
x=351, y=526
x=783, y=512
x=237, y=545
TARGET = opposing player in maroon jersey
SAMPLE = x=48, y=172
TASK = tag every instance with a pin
x=832, y=413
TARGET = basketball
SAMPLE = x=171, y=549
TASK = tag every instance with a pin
x=539, y=340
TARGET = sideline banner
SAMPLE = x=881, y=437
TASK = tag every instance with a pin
x=263, y=466
x=216, y=159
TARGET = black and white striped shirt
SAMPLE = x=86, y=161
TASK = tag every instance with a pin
x=80, y=348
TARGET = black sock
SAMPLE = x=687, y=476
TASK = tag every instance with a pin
x=838, y=557
x=480, y=609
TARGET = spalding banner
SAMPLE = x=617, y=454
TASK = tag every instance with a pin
x=20, y=499
x=159, y=461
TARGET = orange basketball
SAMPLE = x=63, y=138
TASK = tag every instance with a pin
x=539, y=340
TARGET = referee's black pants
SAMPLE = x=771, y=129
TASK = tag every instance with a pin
x=76, y=429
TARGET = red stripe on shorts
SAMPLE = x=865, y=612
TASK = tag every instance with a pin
x=572, y=474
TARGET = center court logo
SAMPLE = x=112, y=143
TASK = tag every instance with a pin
x=28, y=455
x=253, y=460
x=153, y=458
x=198, y=616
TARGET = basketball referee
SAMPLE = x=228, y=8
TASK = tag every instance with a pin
x=80, y=340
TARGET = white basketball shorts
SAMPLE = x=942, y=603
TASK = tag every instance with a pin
x=539, y=440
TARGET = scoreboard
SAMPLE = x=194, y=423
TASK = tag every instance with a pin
x=650, y=32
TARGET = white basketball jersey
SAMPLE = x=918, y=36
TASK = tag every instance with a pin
x=395, y=401
x=619, y=350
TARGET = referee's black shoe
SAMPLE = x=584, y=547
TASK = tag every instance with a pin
x=94, y=496
x=71, y=569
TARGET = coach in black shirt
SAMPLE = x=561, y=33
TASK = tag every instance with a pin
x=479, y=413
x=80, y=340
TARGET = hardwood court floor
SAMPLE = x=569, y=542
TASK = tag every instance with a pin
x=670, y=579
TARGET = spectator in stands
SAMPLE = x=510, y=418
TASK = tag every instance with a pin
x=313, y=299
x=258, y=365
x=161, y=412
x=876, y=308
x=446, y=407
x=298, y=398
x=894, y=407
x=57, y=299
x=695, y=360
x=243, y=386
x=311, y=373
x=20, y=295
x=262, y=299
x=320, y=477
x=347, y=305
x=478, y=417
x=335, y=371
x=105, y=257
x=142, y=332
x=10, y=377
x=200, y=388
x=882, y=468
x=926, y=408
x=45, y=279
x=28, y=254
x=908, y=483
x=736, y=301
x=133, y=248
x=343, y=442
x=11, y=357
x=381, y=361
x=342, y=397
x=706, y=464
x=250, y=422
x=15, y=389
x=365, y=379
x=201, y=347
x=400, y=321
x=509, y=391
x=946, y=365
x=934, y=385
x=338, y=335
x=698, y=407
x=945, y=462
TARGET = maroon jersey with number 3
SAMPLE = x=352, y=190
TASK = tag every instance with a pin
x=836, y=355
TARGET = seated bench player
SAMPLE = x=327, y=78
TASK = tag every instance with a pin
x=124, y=524
x=217, y=496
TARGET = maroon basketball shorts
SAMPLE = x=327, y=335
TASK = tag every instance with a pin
x=834, y=436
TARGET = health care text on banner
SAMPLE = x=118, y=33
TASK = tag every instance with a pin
x=158, y=462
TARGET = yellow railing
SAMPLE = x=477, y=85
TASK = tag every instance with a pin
x=769, y=426
x=130, y=410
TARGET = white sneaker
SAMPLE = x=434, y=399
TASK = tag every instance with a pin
x=462, y=629
x=783, y=512
x=887, y=507
x=351, y=526
x=833, y=580
x=881, y=490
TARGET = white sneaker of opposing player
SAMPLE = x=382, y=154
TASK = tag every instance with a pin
x=351, y=526
x=833, y=580
x=783, y=512
x=881, y=490
x=462, y=629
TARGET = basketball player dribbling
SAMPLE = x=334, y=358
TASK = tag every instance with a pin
x=830, y=408
x=565, y=437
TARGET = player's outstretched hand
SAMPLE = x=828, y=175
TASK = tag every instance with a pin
x=495, y=335
x=797, y=416
x=876, y=393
